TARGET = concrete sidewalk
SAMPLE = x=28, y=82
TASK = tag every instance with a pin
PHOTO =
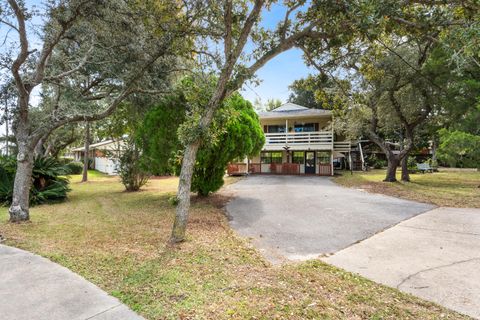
x=435, y=256
x=32, y=287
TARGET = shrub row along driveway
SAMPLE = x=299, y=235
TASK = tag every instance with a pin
x=299, y=217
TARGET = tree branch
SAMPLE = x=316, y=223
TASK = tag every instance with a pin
x=48, y=46
x=284, y=45
x=23, y=54
x=11, y=25
x=242, y=39
x=286, y=19
x=69, y=72
x=228, y=42
x=128, y=89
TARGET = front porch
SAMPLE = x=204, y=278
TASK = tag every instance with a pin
x=287, y=162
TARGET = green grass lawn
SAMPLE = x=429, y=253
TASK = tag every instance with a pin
x=452, y=188
x=117, y=240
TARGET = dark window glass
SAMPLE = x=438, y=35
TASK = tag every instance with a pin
x=276, y=129
x=276, y=157
x=306, y=127
x=323, y=157
x=298, y=157
x=265, y=157
x=271, y=157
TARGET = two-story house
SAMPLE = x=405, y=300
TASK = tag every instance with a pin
x=298, y=140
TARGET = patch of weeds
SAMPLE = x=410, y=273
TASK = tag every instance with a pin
x=173, y=200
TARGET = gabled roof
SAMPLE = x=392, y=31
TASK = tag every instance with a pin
x=292, y=110
x=94, y=145
x=289, y=107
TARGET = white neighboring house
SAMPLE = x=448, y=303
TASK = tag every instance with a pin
x=104, y=154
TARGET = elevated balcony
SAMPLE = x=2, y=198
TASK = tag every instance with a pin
x=342, y=146
x=315, y=140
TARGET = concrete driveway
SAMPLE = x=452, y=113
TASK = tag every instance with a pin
x=301, y=217
x=435, y=255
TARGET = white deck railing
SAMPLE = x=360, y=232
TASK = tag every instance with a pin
x=292, y=139
x=342, y=146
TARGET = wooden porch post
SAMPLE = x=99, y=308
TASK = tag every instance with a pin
x=333, y=143
x=350, y=161
x=331, y=162
x=286, y=132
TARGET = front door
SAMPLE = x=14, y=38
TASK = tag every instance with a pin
x=310, y=162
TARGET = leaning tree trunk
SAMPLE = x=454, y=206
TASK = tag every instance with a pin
x=19, y=209
x=86, y=152
x=393, y=162
x=405, y=174
x=188, y=164
x=184, y=185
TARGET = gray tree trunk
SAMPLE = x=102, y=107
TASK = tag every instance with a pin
x=86, y=152
x=188, y=164
x=393, y=163
x=183, y=195
x=434, y=151
x=405, y=174
x=7, y=153
x=19, y=209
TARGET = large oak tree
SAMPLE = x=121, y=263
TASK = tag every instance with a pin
x=92, y=55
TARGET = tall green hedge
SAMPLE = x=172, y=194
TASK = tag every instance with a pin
x=459, y=149
x=240, y=135
x=235, y=133
x=158, y=134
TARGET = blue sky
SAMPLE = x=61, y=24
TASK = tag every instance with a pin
x=280, y=72
x=276, y=76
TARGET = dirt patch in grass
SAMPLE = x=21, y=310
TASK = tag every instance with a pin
x=118, y=240
x=449, y=188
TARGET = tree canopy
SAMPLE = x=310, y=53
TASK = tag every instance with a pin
x=158, y=134
x=235, y=134
x=459, y=149
x=240, y=135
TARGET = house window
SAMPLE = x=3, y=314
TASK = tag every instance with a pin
x=298, y=157
x=275, y=129
x=323, y=157
x=306, y=127
x=271, y=157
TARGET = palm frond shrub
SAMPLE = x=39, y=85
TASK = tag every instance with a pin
x=75, y=167
x=49, y=181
